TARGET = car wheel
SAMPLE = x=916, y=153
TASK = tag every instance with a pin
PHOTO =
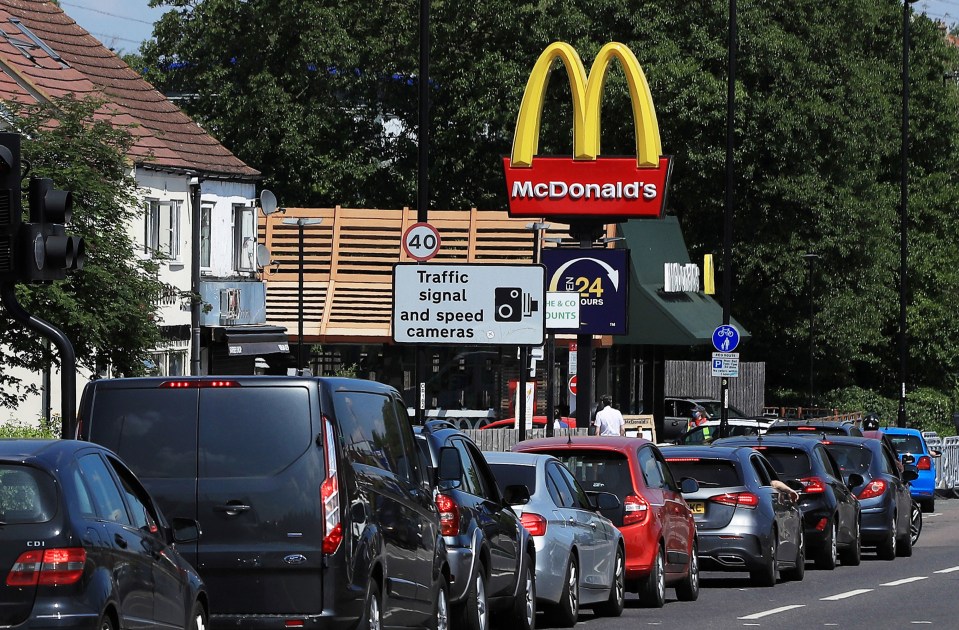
x=566, y=612
x=852, y=554
x=373, y=610
x=688, y=589
x=105, y=623
x=473, y=613
x=798, y=571
x=928, y=505
x=904, y=544
x=915, y=523
x=524, y=605
x=828, y=557
x=613, y=607
x=887, y=548
x=653, y=592
x=198, y=618
x=442, y=608
x=766, y=575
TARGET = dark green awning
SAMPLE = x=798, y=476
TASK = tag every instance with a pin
x=658, y=318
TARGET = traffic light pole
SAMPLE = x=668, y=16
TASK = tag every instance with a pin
x=68, y=358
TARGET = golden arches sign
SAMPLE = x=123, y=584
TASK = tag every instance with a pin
x=587, y=184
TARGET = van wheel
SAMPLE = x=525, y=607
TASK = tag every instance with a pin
x=373, y=610
x=473, y=613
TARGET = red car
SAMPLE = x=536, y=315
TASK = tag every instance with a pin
x=539, y=422
x=657, y=526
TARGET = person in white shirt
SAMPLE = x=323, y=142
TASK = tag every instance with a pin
x=608, y=419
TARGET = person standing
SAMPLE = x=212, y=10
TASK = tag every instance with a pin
x=608, y=419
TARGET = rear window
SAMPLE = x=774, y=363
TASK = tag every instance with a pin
x=27, y=495
x=851, y=458
x=710, y=473
x=906, y=443
x=787, y=462
x=515, y=474
x=600, y=471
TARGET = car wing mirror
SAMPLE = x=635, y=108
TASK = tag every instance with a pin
x=450, y=470
x=910, y=473
x=908, y=459
x=688, y=485
x=855, y=480
x=516, y=494
x=185, y=530
x=603, y=500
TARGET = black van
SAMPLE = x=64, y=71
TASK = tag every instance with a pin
x=315, y=506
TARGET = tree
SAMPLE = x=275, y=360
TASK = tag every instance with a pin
x=108, y=309
x=322, y=97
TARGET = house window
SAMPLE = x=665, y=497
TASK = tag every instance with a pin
x=244, y=238
x=206, y=222
x=162, y=233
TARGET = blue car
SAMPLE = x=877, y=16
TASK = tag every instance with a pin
x=911, y=442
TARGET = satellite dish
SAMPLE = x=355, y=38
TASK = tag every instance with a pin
x=262, y=256
x=268, y=202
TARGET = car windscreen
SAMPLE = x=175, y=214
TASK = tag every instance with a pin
x=787, y=462
x=906, y=443
x=710, y=473
x=851, y=458
x=27, y=495
x=515, y=474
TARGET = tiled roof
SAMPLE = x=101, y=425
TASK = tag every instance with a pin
x=165, y=136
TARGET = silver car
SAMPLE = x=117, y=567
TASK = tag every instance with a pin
x=579, y=553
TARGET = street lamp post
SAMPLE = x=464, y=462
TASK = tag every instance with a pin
x=300, y=223
x=811, y=259
x=730, y=202
x=904, y=213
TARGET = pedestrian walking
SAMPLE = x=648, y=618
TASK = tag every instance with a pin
x=609, y=421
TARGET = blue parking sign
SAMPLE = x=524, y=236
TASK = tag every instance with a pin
x=725, y=338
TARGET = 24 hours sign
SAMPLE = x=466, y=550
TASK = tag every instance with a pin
x=601, y=277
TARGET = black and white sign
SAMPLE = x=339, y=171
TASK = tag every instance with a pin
x=469, y=304
x=421, y=241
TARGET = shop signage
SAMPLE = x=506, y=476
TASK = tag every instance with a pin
x=587, y=184
x=679, y=278
x=601, y=278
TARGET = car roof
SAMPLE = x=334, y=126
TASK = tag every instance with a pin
x=521, y=459
x=901, y=431
x=798, y=441
x=853, y=439
x=608, y=443
x=42, y=452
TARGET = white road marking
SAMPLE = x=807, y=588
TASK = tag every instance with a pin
x=905, y=581
x=949, y=570
x=836, y=598
x=774, y=611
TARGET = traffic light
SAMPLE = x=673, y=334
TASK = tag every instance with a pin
x=47, y=252
x=10, y=207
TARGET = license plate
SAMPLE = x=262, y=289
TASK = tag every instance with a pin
x=697, y=507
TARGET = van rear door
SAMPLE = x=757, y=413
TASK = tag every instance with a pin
x=258, y=498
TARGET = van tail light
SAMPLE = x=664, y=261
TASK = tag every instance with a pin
x=198, y=384
x=813, y=485
x=534, y=523
x=924, y=463
x=49, y=567
x=737, y=499
x=449, y=515
x=635, y=509
x=330, y=494
x=873, y=489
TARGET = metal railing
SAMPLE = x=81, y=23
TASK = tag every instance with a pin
x=947, y=464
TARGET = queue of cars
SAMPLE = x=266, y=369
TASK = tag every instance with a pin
x=312, y=501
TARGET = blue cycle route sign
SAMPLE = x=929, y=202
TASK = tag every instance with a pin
x=725, y=338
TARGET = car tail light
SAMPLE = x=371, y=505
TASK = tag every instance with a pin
x=50, y=567
x=449, y=515
x=735, y=499
x=805, y=428
x=813, y=485
x=197, y=384
x=924, y=463
x=873, y=489
x=330, y=493
x=682, y=459
x=534, y=523
x=635, y=509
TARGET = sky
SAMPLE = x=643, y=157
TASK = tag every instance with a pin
x=123, y=24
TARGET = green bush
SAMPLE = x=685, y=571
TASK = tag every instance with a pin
x=16, y=429
x=926, y=409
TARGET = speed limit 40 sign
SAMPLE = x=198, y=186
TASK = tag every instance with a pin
x=421, y=241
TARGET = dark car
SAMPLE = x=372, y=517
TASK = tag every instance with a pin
x=315, y=504
x=83, y=545
x=883, y=494
x=829, y=507
x=744, y=523
x=817, y=427
x=658, y=528
x=492, y=556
